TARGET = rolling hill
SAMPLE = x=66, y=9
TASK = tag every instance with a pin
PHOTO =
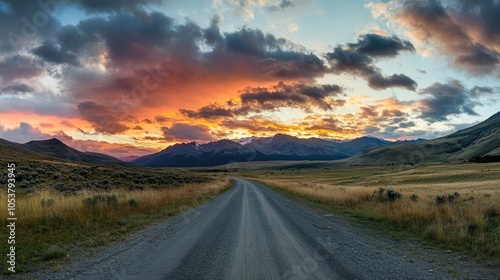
x=55, y=148
x=479, y=140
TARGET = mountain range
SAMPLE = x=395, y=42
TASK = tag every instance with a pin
x=479, y=143
x=277, y=147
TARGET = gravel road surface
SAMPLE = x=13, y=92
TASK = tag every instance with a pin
x=252, y=232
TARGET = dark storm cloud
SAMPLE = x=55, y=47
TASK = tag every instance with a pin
x=22, y=22
x=448, y=99
x=359, y=60
x=483, y=15
x=51, y=53
x=259, y=99
x=295, y=96
x=187, y=132
x=17, y=88
x=19, y=67
x=103, y=119
x=377, y=45
x=135, y=40
x=409, y=124
x=468, y=32
x=209, y=112
x=378, y=81
x=114, y=5
x=269, y=56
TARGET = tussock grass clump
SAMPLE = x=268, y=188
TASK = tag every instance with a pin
x=106, y=200
x=383, y=195
x=53, y=252
x=132, y=203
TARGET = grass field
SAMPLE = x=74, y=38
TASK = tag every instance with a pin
x=454, y=206
x=63, y=208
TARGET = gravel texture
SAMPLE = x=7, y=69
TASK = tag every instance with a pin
x=252, y=232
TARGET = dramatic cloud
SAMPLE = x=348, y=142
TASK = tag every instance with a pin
x=41, y=103
x=97, y=68
x=377, y=45
x=359, y=60
x=19, y=67
x=115, y=5
x=23, y=22
x=16, y=89
x=151, y=59
x=187, y=132
x=259, y=99
x=451, y=98
x=466, y=31
x=104, y=119
x=51, y=53
x=294, y=96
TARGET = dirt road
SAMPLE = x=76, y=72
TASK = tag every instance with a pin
x=251, y=232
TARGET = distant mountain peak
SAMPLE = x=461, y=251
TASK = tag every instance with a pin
x=278, y=147
x=52, y=141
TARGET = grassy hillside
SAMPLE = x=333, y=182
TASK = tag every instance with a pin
x=479, y=140
x=55, y=148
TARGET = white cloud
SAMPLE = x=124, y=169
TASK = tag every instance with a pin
x=22, y=134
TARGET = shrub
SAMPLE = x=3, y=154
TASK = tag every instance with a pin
x=60, y=186
x=387, y=195
x=54, y=252
x=132, y=203
x=393, y=194
x=414, y=197
x=84, y=172
x=440, y=199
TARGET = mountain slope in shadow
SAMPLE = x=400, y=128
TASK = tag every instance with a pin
x=479, y=140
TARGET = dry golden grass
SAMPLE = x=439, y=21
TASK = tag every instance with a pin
x=471, y=222
x=52, y=224
x=40, y=206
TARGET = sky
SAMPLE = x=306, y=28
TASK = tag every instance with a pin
x=133, y=77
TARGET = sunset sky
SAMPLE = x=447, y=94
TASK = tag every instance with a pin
x=132, y=77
